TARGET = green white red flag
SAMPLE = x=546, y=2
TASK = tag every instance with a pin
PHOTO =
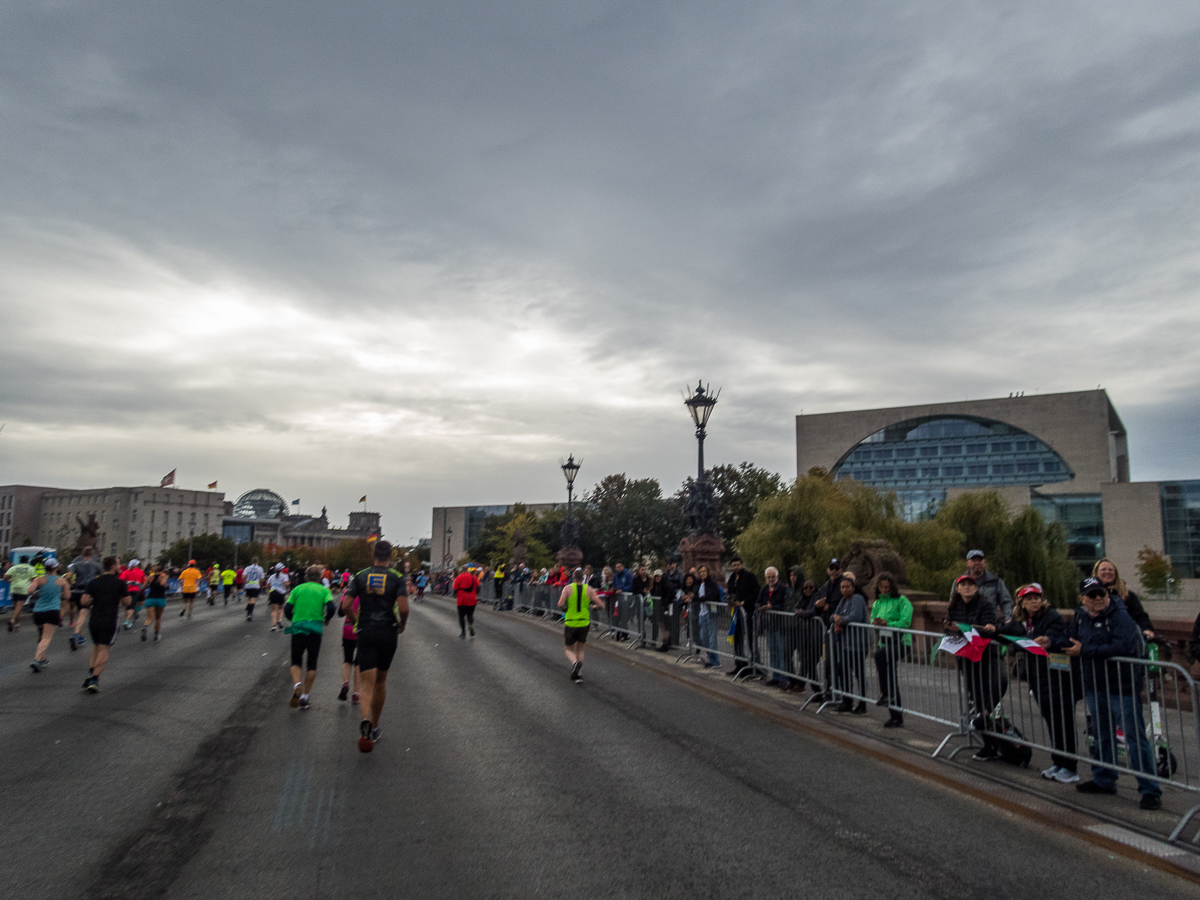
x=970, y=645
x=1025, y=644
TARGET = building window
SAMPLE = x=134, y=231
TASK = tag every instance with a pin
x=1082, y=516
x=977, y=470
x=1003, y=469
x=929, y=451
x=1181, y=525
x=929, y=472
x=1005, y=447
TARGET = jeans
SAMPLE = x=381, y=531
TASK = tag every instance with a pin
x=777, y=646
x=1110, y=711
x=708, y=637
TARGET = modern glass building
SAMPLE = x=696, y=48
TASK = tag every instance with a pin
x=1181, y=524
x=920, y=458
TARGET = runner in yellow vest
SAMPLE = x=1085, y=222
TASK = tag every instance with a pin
x=578, y=600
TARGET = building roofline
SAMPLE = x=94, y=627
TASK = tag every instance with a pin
x=1025, y=397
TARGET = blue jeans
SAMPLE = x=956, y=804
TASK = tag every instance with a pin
x=778, y=649
x=708, y=638
x=1124, y=710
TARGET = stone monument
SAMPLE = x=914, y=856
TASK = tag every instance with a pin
x=702, y=546
x=88, y=532
x=570, y=556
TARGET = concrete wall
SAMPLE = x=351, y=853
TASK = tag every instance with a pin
x=20, y=515
x=456, y=518
x=1076, y=425
x=1132, y=520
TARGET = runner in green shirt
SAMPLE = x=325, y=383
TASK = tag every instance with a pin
x=309, y=607
x=19, y=578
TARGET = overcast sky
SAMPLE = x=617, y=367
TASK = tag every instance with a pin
x=422, y=251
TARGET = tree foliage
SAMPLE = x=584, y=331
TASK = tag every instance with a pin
x=354, y=555
x=629, y=520
x=817, y=518
x=206, y=550
x=739, y=491
x=496, y=539
x=1153, y=569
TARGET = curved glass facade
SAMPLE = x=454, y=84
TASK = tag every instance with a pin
x=920, y=458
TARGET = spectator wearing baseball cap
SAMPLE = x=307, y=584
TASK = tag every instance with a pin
x=1055, y=689
x=985, y=680
x=990, y=586
x=824, y=602
x=1102, y=631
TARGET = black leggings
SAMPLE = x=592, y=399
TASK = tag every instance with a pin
x=886, y=658
x=465, y=614
x=306, y=642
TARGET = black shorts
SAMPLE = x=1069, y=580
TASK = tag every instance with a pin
x=228, y=588
x=276, y=599
x=76, y=597
x=306, y=643
x=252, y=592
x=348, y=648
x=19, y=598
x=49, y=617
x=575, y=635
x=375, y=651
x=189, y=597
x=103, y=631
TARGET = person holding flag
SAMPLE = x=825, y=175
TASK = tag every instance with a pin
x=972, y=618
x=1039, y=630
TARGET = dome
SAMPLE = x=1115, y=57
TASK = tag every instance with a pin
x=259, y=504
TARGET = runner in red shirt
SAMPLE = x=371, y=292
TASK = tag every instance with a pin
x=466, y=586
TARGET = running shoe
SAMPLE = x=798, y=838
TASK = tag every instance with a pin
x=462, y=635
x=295, y=701
x=36, y=665
x=376, y=734
x=365, y=743
x=157, y=637
x=304, y=704
x=71, y=642
x=87, y=681
x=575, y=671
x=1050, y=773
x=93, y=685
x=471, y=629
x=183, y=612
x=986, y=754
x=1066, y=776
x=128, y=625
x=345, y=691
x=354, y=698
x=143, y=632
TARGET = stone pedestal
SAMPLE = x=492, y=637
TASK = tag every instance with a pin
x=702, y=549
x=570, y=558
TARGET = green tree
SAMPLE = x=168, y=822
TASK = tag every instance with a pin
x=354, y=555
x=206, y=550
x=1153, y=569
x=739, y=490
x=495, y=543
x=629, y=520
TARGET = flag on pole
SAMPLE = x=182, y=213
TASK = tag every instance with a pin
x=969, y=645
x=213, y=486
x=168, y=479
x=1025, y=644
x=362, y=499
x=374, y=536
x=296, y=502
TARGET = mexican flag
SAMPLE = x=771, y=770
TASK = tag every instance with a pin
x=970, y=645
x=1025, y=644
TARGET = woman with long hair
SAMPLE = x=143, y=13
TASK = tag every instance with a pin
x=890, y=610
x=1105, y=571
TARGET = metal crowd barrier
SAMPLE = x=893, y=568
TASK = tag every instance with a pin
x=1142, y=720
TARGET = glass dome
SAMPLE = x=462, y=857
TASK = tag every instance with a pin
x=259, y=504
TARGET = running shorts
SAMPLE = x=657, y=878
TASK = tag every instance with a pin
x=306, y=643
x=375, y=651
x=76, y=597
x=189, y=597
x=19, y=598
x=49, y=617
x=276, y=599
x=575, y=635
x=160, y=602
x=348, y=648
x=252, y=593
x=228, y=588
x=103, y=631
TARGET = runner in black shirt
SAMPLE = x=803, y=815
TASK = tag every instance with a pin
x=382, y=613
x=103, y=596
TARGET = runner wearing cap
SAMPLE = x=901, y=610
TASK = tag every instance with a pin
x=189, y=578
x=213, y=578
x=278, y=586
x=134, y=578
x=49, y=591
x=578, y=600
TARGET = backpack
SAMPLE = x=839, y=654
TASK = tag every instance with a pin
x=1014, y=754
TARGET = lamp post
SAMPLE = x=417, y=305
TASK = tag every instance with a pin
x=702, y=545
x=570, y=470
x=570, y=555
x=700, y=405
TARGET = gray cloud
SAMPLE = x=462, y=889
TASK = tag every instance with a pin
x=428, y=249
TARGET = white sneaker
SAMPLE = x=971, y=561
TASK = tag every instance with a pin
x=1066, y=776
x=1050, y=773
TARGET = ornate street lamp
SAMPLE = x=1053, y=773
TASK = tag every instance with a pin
x=570, y=555
x=700, y=405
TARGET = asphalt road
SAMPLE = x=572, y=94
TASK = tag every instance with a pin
x=189, y=776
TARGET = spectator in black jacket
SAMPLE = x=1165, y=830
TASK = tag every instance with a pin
x=1105, y=571
x=801, y=659
x=1036, y=620
x=742, y=588
x=1194, y=644
x=985, y=680
x=824, y=601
